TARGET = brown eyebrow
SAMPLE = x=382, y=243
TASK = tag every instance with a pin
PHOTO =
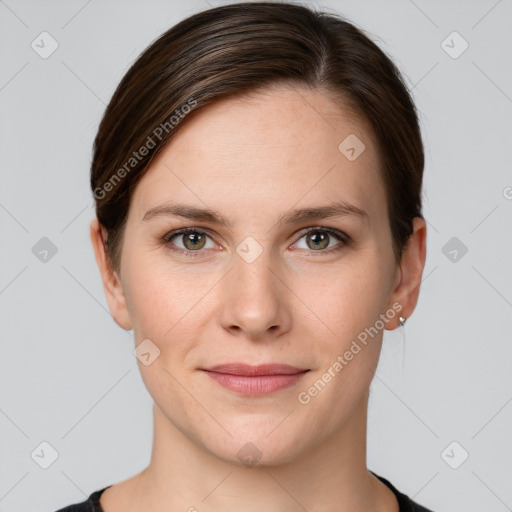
x=187, y=212
x=340, y=208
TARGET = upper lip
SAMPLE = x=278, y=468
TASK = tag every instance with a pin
x=262, y=369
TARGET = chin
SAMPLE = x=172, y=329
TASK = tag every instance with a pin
x=257, y=448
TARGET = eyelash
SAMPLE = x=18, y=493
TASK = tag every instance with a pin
x=168, y=237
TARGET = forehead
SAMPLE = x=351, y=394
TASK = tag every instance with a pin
x=272, y=148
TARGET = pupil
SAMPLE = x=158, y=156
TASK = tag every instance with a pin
x=192, y=238
x=319, y=238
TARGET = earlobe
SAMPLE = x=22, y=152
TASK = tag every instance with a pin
x=112, y=284
x=407, y=290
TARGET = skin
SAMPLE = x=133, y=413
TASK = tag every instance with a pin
x=253, y=159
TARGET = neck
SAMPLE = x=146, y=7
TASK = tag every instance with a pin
x=329, y=477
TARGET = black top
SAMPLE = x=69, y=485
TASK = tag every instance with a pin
x=91, y=504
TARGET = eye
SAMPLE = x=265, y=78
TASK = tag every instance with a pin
x=193, y=240
x=318, y=240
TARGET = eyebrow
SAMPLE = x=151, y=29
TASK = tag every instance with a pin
x=337, y=209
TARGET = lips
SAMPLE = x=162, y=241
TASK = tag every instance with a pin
x=255, y=380
x=251, y=371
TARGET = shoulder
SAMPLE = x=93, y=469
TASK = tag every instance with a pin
x=405, y=503
x=90, y=504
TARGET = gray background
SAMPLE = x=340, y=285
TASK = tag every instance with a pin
x=68, y=376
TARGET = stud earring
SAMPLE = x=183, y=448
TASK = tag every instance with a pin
x=401, y=321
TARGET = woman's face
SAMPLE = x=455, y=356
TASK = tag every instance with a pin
x=273, y=285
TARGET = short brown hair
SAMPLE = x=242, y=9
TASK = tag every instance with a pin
x=242, y=48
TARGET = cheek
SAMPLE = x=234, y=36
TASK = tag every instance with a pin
x=170, y=308
x=347, y=298
x=159, y=295
x=349, y=355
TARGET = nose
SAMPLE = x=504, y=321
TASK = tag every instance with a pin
x=255, y=300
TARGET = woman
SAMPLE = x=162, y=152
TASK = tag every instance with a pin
x=258, y=177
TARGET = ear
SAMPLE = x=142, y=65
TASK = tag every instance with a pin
x=111, y=281
x=407, y=284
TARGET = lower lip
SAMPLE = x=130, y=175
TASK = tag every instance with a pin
x=255, y=385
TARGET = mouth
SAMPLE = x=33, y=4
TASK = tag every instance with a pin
x=255, y=380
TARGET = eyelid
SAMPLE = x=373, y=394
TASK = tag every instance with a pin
x=332, y=231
